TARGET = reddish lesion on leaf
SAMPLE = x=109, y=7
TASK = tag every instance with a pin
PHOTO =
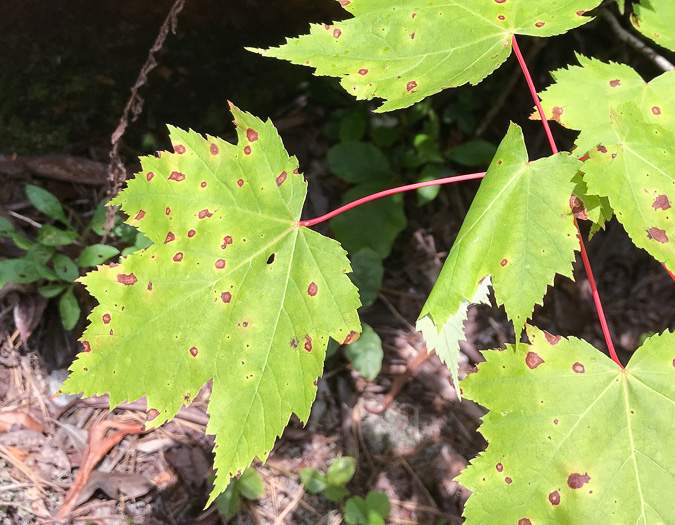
x=552, y=339
x=351, y=337
x=87, y=346
x=281, y=178
x=106, y=318
x=657, y=234
x=308, y=343
x=533, y=360
x=251, y=135
x=177, y=176
x=578, y=368
x=169, y=237
x=178, y=257
x=127, y=279
x=179, y=148
x=312, y=289
x=205, y=213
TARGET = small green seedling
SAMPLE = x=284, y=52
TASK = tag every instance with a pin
x=331, y=485
x=249, y=486
x=370, y=511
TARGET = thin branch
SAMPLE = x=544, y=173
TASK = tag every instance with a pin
x=117, y=174
x=635, y=42
x=392, y=191
x=584, y=255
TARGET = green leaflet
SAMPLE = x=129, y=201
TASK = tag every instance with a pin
x=232, y=289
x=519, y=229
x=637, y=175
x=572, y=438
x=405, y=50
x=655, y=19
x=582, y=96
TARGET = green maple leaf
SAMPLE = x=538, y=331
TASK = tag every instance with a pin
x=519, y=230
x=637, y=175
x=655, y=19
x=232, y=290
x=582, y=96
x=405, y=50
x=572, y=437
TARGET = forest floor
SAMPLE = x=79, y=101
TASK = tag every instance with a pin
x=408, y=431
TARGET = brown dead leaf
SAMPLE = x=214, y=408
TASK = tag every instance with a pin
x=98, y=446
x=113, y=484
x=7, y=419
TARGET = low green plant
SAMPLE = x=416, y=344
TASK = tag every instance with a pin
x=58, y=253
x=332, y=484
x=357, y=511
x=247, y=486
x=372, y=510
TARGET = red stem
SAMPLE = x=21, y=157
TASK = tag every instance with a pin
x=584, y=255
x=392, y=191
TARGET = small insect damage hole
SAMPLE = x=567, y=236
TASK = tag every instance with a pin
x=270, y=259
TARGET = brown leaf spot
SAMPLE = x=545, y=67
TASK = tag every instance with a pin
x=294, y=343
x=247, y=150
x=87, y=346
x=194, y=351
x=151, y=414
x=251, y=135
x=578, y=208
x=351, y=337
x=500, y=1
x=552, y=339
x=661, y=203
x=191, y=233
x=411, y=85
x=554, y=497
x=226, y=240
x=150, y=286
x=504, y=262
x=412, y=36
x=178, y=257
x=139, y=215
x=281, y=178
x=578, y=368
x=244, y=324
x=214, y=149
x=296, y=171
x=345, y=3
x=532, y=360
x=508, y=480
x=363, y=72
x=167, y=211
x=308, y=343
x=524, y=521
x=555, y=421
x=169, y=237
x=656, y=110
x=312, y=289
x=499, y=467
x=336, y=33
x=413, y=15
x=127, y=279
x=203, y=214
x=106, y=318
x=220, y=264
x=580, y=13
x=226, y=297
x=177, y=176
x=555, y=113
x=179, y=148
x=203, y=184
x=149, y=176
x=540, y=24
x=501, y=17
x=614, y=83
x=240, y=182
x=657, y=234
x=602, y=149
x=576, y=481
